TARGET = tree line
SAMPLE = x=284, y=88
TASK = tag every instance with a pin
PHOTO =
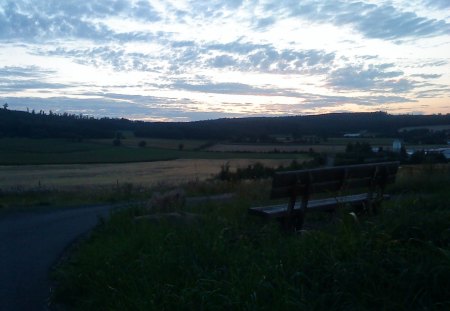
x=261, y=129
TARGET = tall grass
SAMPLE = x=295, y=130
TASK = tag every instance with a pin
x=398, y=260
x=20, y=197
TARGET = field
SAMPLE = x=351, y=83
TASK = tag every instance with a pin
x=17, y=151
x=22, y=151
x=61, y=172
x=331, y=145
x=221, y=258
x=430, y=128
x=228, y=260
x=174, y=144
x=147, y=174
x=275, y=148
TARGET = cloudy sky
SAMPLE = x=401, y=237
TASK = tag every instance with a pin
x=183, y=60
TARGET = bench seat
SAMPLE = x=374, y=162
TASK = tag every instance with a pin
x=330, y=182
x=280, y=210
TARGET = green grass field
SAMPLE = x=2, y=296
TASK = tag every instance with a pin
x=21, y=151
x=190, y=144
x=398, y=260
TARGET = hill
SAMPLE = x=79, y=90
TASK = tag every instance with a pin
x=42, y=125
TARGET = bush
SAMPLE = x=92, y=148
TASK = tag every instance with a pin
x=259, y=171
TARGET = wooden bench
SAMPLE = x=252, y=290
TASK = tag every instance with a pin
x=338, y=186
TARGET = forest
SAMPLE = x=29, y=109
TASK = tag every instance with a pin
x=254, y=129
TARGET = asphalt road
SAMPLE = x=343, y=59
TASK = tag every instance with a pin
x=30, y=244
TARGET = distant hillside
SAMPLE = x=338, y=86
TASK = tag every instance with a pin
x=41, y=125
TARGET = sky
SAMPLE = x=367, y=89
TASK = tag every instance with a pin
x=183, y=60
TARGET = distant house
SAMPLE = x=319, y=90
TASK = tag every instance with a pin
x=397, y=145
x=352, y=135
x=282, y=138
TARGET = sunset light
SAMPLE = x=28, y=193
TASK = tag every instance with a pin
x=191, y=60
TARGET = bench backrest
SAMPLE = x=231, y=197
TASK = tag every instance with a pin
x=333, y=179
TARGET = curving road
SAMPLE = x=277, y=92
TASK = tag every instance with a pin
x=31, y=243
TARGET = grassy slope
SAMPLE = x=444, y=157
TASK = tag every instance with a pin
x=399, y=260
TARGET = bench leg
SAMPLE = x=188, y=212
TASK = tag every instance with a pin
x=298, y=222
x=292, y=223
x=370, y=207
x=375, y=207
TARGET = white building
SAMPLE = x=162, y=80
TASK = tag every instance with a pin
x=397, y=145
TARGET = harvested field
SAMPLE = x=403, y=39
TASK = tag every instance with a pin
x=88, y=175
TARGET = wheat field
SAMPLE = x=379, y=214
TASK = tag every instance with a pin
x=144, y=173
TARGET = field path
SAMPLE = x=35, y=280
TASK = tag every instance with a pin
x=31, y=242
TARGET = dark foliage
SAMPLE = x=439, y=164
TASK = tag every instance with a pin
x=425, y=136
x=359, y=153
x=421, y=157
x=42, y=125
x=259, y=171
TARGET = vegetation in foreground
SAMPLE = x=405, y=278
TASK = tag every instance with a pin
x=398, y=260
x=41, y=197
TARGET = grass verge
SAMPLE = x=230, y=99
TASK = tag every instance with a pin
x=398, y=260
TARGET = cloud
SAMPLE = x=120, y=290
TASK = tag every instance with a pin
x=108, y=56
x=19, y=79
x=238, y=47
x=221, y=88
x=382, y=21
x=185, y=56
x=309, y=100
x=324, y=101
x=369, y=78
x=114, y=106
x=90, y=106
x=143, y=10
x=431, y=63
x=427, y=76
x=22, y=22
x=20, y=86
x=440, y=4
x=53, y=19
x=24, y=72
x=264, y=23
x=223, y=61
x=202, y=47
x=266, y=58
x=434, y=92
x=213, y=8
